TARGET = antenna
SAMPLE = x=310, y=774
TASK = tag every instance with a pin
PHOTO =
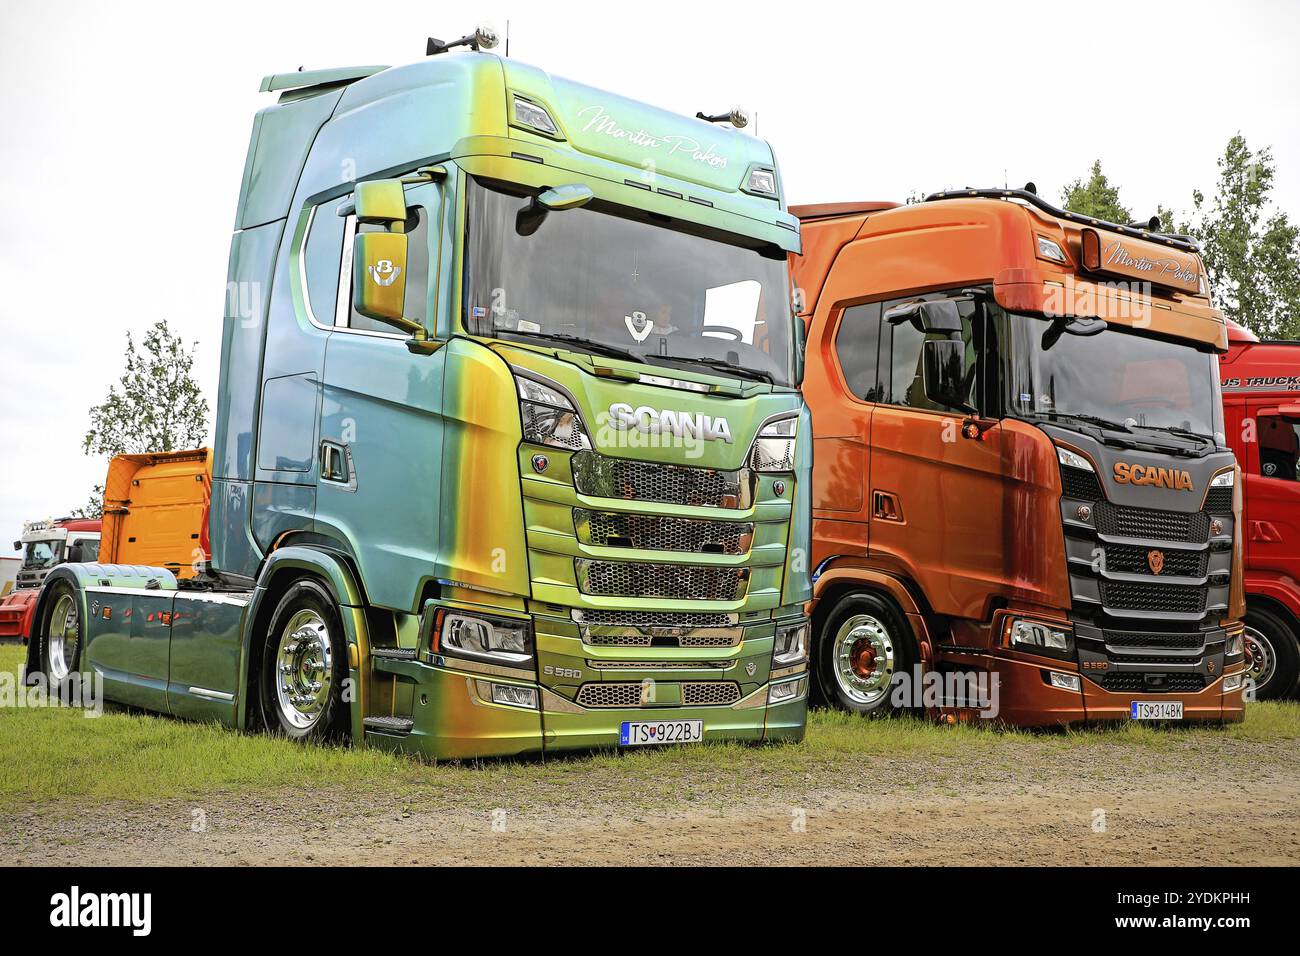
x=507, y=38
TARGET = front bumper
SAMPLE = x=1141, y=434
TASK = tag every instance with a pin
x=453, y=715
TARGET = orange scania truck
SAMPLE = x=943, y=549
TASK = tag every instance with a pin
x=1022, y=495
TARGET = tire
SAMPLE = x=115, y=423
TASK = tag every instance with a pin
x=863, y=643
x=1272, y=655
x=61, y=634
x=304, y=666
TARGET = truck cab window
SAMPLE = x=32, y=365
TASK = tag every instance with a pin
x=902, y=357
x=857, y=343
x=1279, y=448
x=321, y=257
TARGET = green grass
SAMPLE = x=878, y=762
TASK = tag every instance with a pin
x=47, y=754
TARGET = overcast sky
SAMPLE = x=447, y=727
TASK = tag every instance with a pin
x=123, y=129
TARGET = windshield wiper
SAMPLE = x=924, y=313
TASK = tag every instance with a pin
x=1089, y=419
x=588, y=345
x=720, y=366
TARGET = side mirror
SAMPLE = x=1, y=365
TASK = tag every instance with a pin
x=379, y=258
x=529, y=219
x=943, y=372
x=18, y=545
x=937, y=315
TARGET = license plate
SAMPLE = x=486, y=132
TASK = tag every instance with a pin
x=1156, y=709
x=635, y=733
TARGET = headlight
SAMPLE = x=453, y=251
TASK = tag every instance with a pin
x=791, y=644
x=1234, y=646
x=500, y=639
x=1034, y=634
x=1225, y=479
x=1067, y=457
x=549, y=418
x=774, y=446
x=534, y=117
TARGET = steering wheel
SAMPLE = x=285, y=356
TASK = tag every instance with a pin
x=728, y=331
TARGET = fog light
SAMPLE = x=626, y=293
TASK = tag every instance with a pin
x=790, y=690
x=514, y=696
x=1064, y=681
x=1232, y=683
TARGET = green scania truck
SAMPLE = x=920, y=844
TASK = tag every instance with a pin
x=510, y=455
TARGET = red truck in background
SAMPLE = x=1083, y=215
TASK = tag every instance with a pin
x=44, y=545
x=1261, y=404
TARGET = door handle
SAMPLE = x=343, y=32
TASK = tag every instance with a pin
x=336, y=466
x=885, y=506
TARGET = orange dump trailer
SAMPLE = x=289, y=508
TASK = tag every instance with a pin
x=156, y=510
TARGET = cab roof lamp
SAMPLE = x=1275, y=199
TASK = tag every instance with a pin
x=737, y=117
x=533, y=116
x=1050, y=249
x=483, y=38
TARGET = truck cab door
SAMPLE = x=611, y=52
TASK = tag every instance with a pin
x=938, y=497
x=381, y=430
x=1271, y=472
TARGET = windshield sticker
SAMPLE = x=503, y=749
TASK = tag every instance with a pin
x=601, y=122
x=479, y=312
x=639, y=324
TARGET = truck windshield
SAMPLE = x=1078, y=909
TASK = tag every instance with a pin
x=1116, y=378
x=40, y=555
x=620, y=283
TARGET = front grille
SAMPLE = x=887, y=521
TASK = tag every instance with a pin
x=1166, y=598
x=1134, y=682
x=1130, y=559
x=651, y=640
x=610, y=695
x=675, y=582
x=1077, y=483
x=657, y=618
x=651, y=532
x=1219, y=501
x=605, y=477
x=1143, y=639
x=1192, y=526
x=715, y=693
x=659, y=665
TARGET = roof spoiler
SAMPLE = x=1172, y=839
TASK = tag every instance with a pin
x=1138, y=230
x=300, y=79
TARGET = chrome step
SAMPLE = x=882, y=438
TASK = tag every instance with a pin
x=389, y=725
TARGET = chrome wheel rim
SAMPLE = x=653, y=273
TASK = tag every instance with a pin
x=1261, y=661
x=864, y=659
x=304, y=670
x=64, y=634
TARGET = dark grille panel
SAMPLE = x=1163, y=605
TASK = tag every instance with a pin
x=1130, y=559
x=658, y=618
x=610, y=695
x=605, y=477
x=1140, y=639
x=1077, y=483
x=651, y=640
x=715, y=692
x=678, y=582
x=1134, y=682
x=1219, y=501
x=1167, y=598
x=1192, y=526
x=663, y=534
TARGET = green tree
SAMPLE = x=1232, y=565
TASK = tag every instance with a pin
x=1096, y=197
x=1251, y=249
x=156, y=405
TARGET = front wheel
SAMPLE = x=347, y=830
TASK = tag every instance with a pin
x=304, y=666
x=864, y=642
x=1272, y=655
